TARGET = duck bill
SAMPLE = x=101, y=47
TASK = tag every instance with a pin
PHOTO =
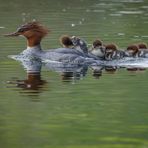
x=14, y=34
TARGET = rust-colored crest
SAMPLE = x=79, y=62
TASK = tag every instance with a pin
x=34, y=26
x=30, y=28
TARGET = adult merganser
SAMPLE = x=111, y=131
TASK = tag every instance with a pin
x=34, y=32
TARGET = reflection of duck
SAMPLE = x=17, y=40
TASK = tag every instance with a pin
x=34, y=32
x=110, y=69
x=71, y=76
x=97, y=73
x=134, y=69
x=34, y=82
x=68, y=72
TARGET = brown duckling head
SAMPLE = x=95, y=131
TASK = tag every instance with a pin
x=66, y=41
x=142, y=46
x=132, y=50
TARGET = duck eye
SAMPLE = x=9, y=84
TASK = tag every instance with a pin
x=20, y=30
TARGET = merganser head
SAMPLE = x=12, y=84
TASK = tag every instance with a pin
x=142, y=46
x=132, y=50
x=66, y=41
x=98, y=48
x=33, y=31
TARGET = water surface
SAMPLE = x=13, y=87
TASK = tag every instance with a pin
x=106, y=110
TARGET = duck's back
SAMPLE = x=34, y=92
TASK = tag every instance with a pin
x=66, y=51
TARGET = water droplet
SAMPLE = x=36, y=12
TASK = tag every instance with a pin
x=83, y=19
x=2, y=27
x=121, y=34
x=64, y=10
x=34, y=20
x=80, y=22
x=87, y=10
x=73, y=25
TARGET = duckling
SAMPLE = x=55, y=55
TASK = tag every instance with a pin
x=112, y=52
x=142, y=46
x=98, y=49
x=66, y=41
x=132, y=51
x=79, y=44
x=143, y=50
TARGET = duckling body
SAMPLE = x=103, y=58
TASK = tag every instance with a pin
x=112, y=52
x=98, y=49
x=143, y=50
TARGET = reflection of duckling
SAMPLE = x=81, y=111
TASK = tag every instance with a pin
x=98, y=49
x=110, y=69
x=97, y=73
x=67, y=76
x=136, y=69
x=70, y=76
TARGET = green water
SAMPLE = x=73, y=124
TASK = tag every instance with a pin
x=108, y=112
